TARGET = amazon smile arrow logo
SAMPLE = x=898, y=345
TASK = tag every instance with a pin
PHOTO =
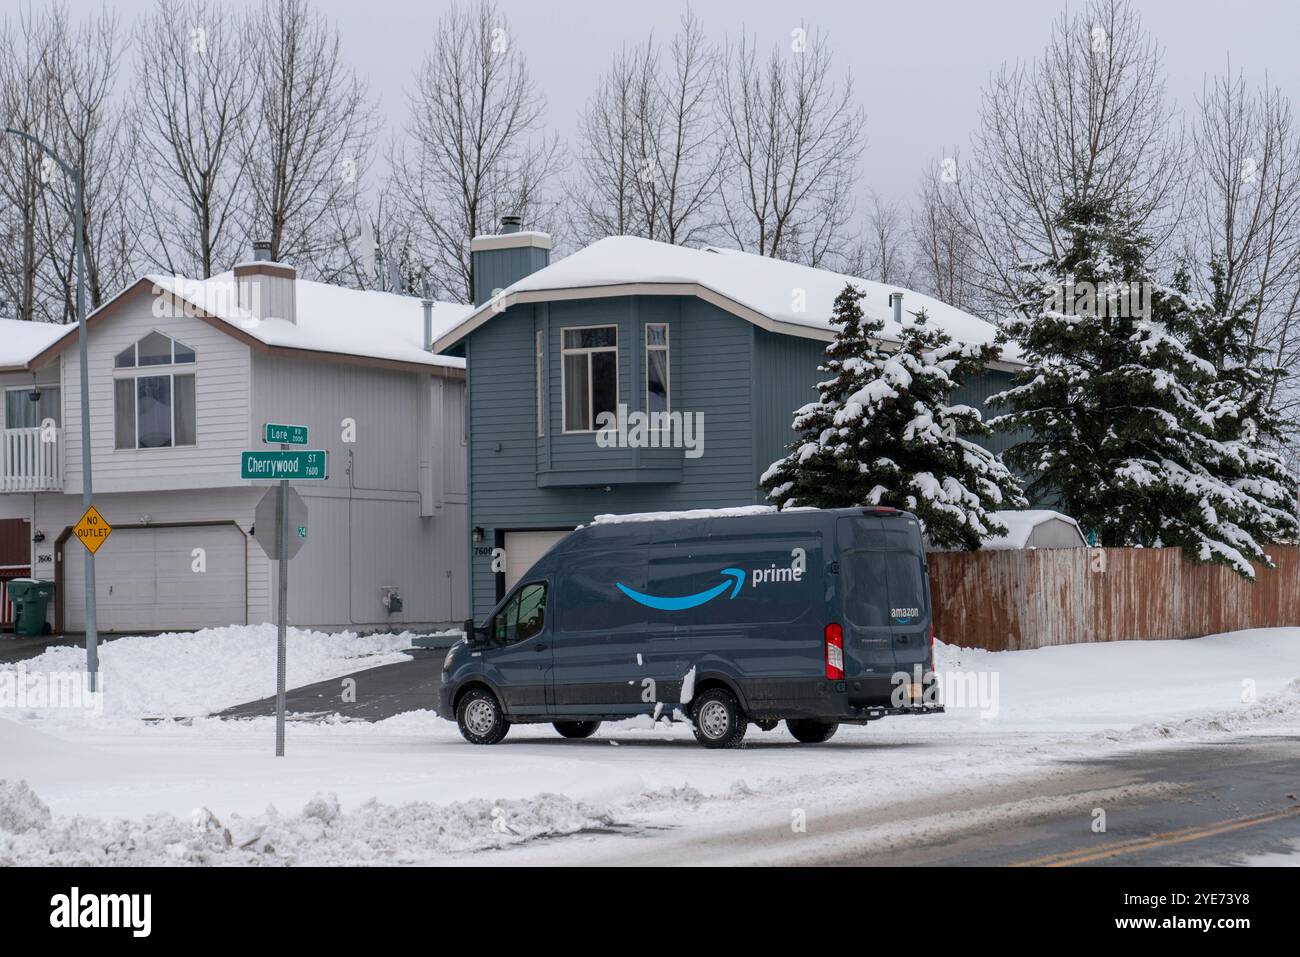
x=683, y=602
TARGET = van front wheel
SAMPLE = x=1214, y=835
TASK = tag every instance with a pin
x=576, y=729
x=809, y=731
x=718, y=721
x=480, y=717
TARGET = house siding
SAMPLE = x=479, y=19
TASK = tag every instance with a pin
x=367, y=523
x=711, y=370
x=221, y=406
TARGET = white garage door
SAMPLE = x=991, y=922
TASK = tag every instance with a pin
x=149, y=579
x=522, y=551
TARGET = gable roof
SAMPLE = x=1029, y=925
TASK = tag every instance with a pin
x=779, y=296
x=333, y=323
x=21, y=341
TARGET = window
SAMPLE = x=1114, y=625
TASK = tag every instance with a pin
x=656, y=368
x=22, y=413
x=154, y=407
x=523, y=616
x=154, y=349
x=539, y=366
x=589, y=372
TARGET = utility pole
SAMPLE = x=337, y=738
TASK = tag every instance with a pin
x=87, y=486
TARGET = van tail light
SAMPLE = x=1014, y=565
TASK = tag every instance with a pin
x=932, y=663
x=834, y=652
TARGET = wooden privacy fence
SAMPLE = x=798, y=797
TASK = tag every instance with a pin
x=1005, y=600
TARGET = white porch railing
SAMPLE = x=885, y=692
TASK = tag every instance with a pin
x=31, y=461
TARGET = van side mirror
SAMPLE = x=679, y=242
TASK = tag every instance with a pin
x=473, y=636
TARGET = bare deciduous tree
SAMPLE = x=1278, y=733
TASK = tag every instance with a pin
x=312, y=142
x=25, y=45
x=192, y=105
x=881, y=253
x=941, y=244
x=1246, y=215
x=793, y=137
x=1088, y=119
x=475, y=149
x=89, y=129
x=650, y=153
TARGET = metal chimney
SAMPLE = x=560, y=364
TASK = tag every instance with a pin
x=896, y=304
x=511, y=223
x=427, y=303
x=261, y=251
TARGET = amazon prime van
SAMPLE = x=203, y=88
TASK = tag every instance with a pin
x=812, y=617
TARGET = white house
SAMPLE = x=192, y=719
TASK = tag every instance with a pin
x=182, y=376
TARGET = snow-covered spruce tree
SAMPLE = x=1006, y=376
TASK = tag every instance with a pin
x=884, y=433
x=1133, y=430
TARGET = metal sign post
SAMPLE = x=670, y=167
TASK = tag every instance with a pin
x=280, y=508
x=282, y=638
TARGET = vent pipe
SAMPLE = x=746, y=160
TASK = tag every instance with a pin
x=427, y=303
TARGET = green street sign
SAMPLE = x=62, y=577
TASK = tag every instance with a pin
x=284, y=434
x=295, y=466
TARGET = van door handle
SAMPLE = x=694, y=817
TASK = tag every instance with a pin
x=541, y=647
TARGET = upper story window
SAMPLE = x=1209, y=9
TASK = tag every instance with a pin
x=153, y=394
x=154, y=349
x=589, y=369
x=657, y=393
x=24, y=412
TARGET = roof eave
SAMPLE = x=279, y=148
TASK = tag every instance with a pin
x=507, y=299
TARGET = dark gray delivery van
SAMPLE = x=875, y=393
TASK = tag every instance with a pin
x=812, y=617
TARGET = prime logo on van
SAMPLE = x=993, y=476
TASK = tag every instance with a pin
x=736, y=581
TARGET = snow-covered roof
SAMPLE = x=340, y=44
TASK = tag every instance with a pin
x=331, y=319
x=1021, y=525
x=22, y=341
x=794, y=299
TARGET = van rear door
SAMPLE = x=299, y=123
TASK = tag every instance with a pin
x=884, y=600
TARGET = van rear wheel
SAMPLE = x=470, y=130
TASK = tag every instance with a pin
x=480, y=717
x=576, y=729
x=718, y=720
x=809, y=731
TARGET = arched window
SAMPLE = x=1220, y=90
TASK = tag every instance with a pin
x=153, y=394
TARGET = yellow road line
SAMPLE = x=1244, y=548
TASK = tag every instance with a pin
x=1182, y=836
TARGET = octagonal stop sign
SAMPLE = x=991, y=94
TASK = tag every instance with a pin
x=266, y=523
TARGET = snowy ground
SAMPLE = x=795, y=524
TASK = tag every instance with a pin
x=119, y=787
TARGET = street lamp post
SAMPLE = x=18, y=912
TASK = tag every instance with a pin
x=87, y=487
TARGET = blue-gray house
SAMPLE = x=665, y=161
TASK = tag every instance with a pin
x=720, y=347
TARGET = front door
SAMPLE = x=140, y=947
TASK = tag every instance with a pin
x=518, y=657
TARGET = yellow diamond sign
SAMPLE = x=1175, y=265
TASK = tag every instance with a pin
x=93, y=529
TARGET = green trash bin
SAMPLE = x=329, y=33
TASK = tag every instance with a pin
x=30, y=599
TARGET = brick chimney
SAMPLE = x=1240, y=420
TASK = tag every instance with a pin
x=266, y=288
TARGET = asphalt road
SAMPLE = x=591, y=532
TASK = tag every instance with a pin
x=1220, y=804
x=376, y=693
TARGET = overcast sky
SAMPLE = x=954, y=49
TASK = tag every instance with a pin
x=918, y=65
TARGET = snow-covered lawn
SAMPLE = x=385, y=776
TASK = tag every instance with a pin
x=197, y=673
x=410, y=790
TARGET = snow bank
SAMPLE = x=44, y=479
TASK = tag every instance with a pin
x=322, y=834
x=183, y=675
